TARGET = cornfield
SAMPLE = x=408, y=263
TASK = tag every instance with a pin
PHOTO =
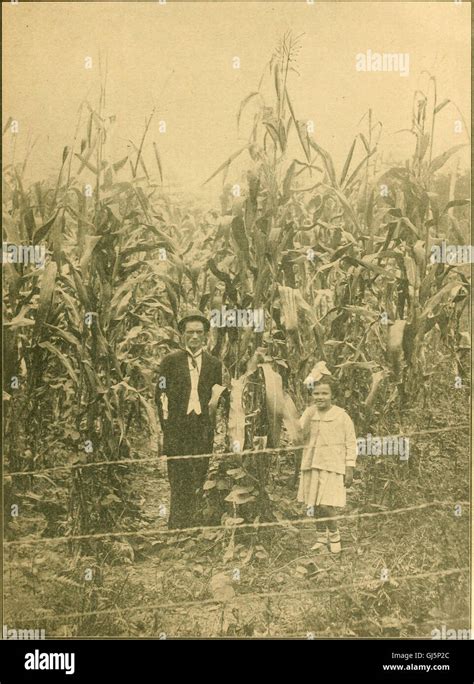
x=338, y=259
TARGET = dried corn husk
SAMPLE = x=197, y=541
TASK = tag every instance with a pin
x=236, y=426
x=275, y=403
x=289, y=308
x=376, y=380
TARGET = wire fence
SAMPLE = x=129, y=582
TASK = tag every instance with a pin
x=229, y=527
x=225, y=454
x=348, y=586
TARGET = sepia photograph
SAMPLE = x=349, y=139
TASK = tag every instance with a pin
x=236, y=341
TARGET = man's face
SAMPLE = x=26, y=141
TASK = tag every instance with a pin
x=194, y=335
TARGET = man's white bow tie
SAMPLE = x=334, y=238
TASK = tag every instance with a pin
x=194, y=404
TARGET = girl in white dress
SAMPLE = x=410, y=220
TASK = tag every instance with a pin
x=327, y=466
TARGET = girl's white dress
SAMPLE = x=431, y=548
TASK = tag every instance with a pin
x=330, y=446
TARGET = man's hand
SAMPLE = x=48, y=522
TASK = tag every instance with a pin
x=349, y=476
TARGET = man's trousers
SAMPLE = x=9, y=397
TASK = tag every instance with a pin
x=192, y=436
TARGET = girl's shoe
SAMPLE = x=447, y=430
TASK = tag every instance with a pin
x=321, y=541
x=335, y=542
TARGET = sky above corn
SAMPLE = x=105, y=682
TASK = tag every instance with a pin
x=179, y=58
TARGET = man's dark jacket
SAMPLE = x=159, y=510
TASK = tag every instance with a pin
x=175, y=370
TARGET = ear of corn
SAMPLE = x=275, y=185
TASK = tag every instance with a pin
x=395, y=345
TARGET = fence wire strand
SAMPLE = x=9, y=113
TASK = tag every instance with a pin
x=214, y=528
x=226, y=454
x=373, y=583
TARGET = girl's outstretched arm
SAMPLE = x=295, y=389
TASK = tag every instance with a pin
x=305, y=423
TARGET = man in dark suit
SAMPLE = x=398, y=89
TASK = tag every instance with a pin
x=183, y=392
